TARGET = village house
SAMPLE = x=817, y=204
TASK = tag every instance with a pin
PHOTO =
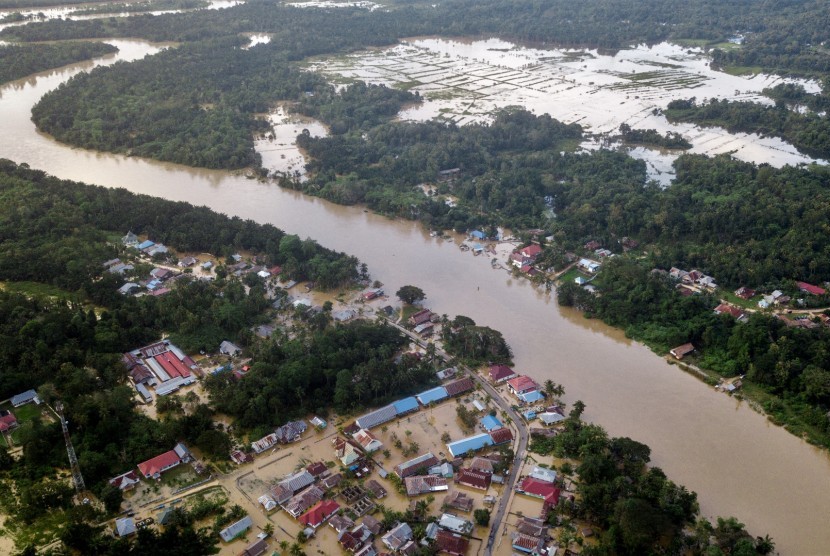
x=731, y=310
x=8, y=421
x=421, y=317
x=589, y=266
x=187, y=262
x=29, y=396
x=543, y=474
x=451, y=543
x=522, y=384
x=346, y=451
x=375, y=488
x=474, y=479
x=239, y=457
x=484, y=465
x=257, y=548
x=236, y=529
x=459, y=501
x=460, y=386
x=810, y=288
x=129, y=240
x=125, y=526
x=433, y=395
x=300, y=503
x=682, y=351
x=266, y=442
x=288, y=487
x=368, y=441
x=317, y=469
x=397, y=537
x=230, y=349
x=415, y=486
x=455, y=524
x=372, y=524
x=745, y=293
x=501, y=436
x=125, y=481
x=154, y=467
x=411, y=467
x=543, y=490
x=292, y=431
x=501, y=373
x=526, y=256
x=341, y=523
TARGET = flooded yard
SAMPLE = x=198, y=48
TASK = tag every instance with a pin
x=278, y=148
x=466, y=81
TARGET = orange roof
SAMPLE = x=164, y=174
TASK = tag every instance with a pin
x=159, y=463
x=319, y=513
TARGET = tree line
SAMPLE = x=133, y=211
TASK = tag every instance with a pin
x=787, y=365
x=20, y=60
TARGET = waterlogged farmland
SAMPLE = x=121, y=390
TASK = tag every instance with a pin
x=465, y=81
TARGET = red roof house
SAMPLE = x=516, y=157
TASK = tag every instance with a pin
x=725, y=308
x=451, y=543
x=500, y=436
x=459, y=386
x=125, y=481
x=500, y=373
x=811, y=289
x=153, y=468
x=7, y=420
x=745, y=293
x=522, y=384
x=539, y=489
x=319, y=513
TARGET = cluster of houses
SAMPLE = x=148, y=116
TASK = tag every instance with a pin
x=8, y=420
x=525, y=258
x=693, y=278
x=241, y=268
x=162, y=366
x=527, y=392
x=292, y=431
x=157, y=283
x=423, y=322
x=147, y=247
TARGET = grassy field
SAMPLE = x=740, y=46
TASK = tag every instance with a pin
x=37, y=289
x=751, y=303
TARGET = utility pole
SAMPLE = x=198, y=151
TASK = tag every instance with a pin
x=77, y=478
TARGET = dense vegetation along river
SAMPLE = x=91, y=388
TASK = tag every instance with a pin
x=738, y=462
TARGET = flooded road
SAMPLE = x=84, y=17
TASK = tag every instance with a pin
x=738, y=463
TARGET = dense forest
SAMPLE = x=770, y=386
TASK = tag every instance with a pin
x=787, y=365
x=143, y=6
x=640, y=510
x=18, y=61
x=344, y=368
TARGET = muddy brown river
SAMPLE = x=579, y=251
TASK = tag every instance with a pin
x=737, y=462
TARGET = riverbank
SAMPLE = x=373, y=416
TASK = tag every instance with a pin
x=625, y=386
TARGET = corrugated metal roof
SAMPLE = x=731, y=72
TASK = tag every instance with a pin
x=433, y=395
x=472, y=443
x=490, y=423
x=377, y=417
x=406, y=405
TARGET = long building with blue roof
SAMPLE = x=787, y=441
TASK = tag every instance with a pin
x=470, y=444
x=377, y=417
x=432, y=396
x=406, y=405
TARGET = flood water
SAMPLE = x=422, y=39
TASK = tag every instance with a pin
x=738, y=463
x=466, y=81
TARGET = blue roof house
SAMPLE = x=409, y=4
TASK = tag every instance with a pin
x=432, y=396
x=145, y=244
x=406, y=405
x=531, y=397
x=490, y=423
x=478, y=234
x=470, y=444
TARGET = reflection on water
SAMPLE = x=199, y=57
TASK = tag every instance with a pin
x=465, y=81
x=737, y=462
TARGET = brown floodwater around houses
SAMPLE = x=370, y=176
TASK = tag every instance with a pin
x=738, y=462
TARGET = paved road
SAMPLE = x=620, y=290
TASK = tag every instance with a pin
x=521, y=449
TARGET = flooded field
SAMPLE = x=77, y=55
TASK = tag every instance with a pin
x=465, y=81
x=278, y=148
